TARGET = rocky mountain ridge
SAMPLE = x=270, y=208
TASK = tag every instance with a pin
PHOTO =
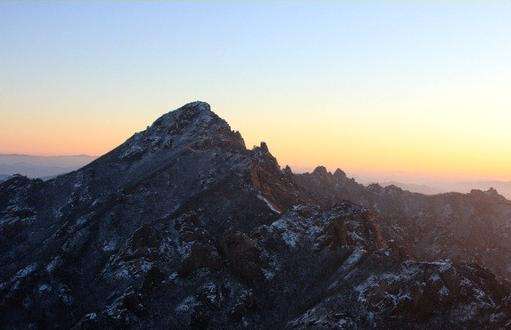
x=182, y=227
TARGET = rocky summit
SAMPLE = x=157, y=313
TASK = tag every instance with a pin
x=184, y=227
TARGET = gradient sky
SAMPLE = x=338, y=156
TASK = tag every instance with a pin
x=414, y=87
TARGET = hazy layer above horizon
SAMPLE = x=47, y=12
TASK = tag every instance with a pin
x=375, y=88
x=40, y=166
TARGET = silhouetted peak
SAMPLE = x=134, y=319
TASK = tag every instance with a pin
x=194, y=122
x=264, y=147
x=393, y=188
x=263, y=155
x=491, y=193
x=374, y=187
x=190, y=128
x=339, y=174
x=287, y=170
x=197, y=106
x=262, y=150
x=185, y=114
x=320, y=170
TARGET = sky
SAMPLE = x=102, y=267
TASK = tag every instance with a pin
x=416, y=89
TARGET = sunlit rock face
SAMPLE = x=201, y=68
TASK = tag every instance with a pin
x=182, y=226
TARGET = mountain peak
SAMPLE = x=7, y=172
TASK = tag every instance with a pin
x=185, y=114
x=192, y=129
x=196, y=108
x=320, y=171
x=198, y=105
x=192, y=123
x=339, y=173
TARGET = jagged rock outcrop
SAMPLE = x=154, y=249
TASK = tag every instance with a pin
x=182, y=227
x=473, y=227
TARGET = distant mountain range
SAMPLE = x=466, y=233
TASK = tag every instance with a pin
x=40, y=166
x=418, y=188
x=503, y=187
x=183, y=227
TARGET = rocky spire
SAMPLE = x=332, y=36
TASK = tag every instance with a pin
x=320, y=170
x=339, y=174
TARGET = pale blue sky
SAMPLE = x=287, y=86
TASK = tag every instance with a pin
x=338, y=73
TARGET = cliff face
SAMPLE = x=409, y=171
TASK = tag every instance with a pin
x=182, y=226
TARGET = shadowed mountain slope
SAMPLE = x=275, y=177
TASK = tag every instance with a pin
x=182, y=226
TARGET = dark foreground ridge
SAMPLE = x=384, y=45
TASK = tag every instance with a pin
x=182, y=226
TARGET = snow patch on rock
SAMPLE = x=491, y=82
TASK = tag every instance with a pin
x=270, y=205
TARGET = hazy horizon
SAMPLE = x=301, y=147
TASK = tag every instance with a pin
x=46, y=167
x=414, y=91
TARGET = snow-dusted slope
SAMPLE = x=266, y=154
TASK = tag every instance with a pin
x=182, y=226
